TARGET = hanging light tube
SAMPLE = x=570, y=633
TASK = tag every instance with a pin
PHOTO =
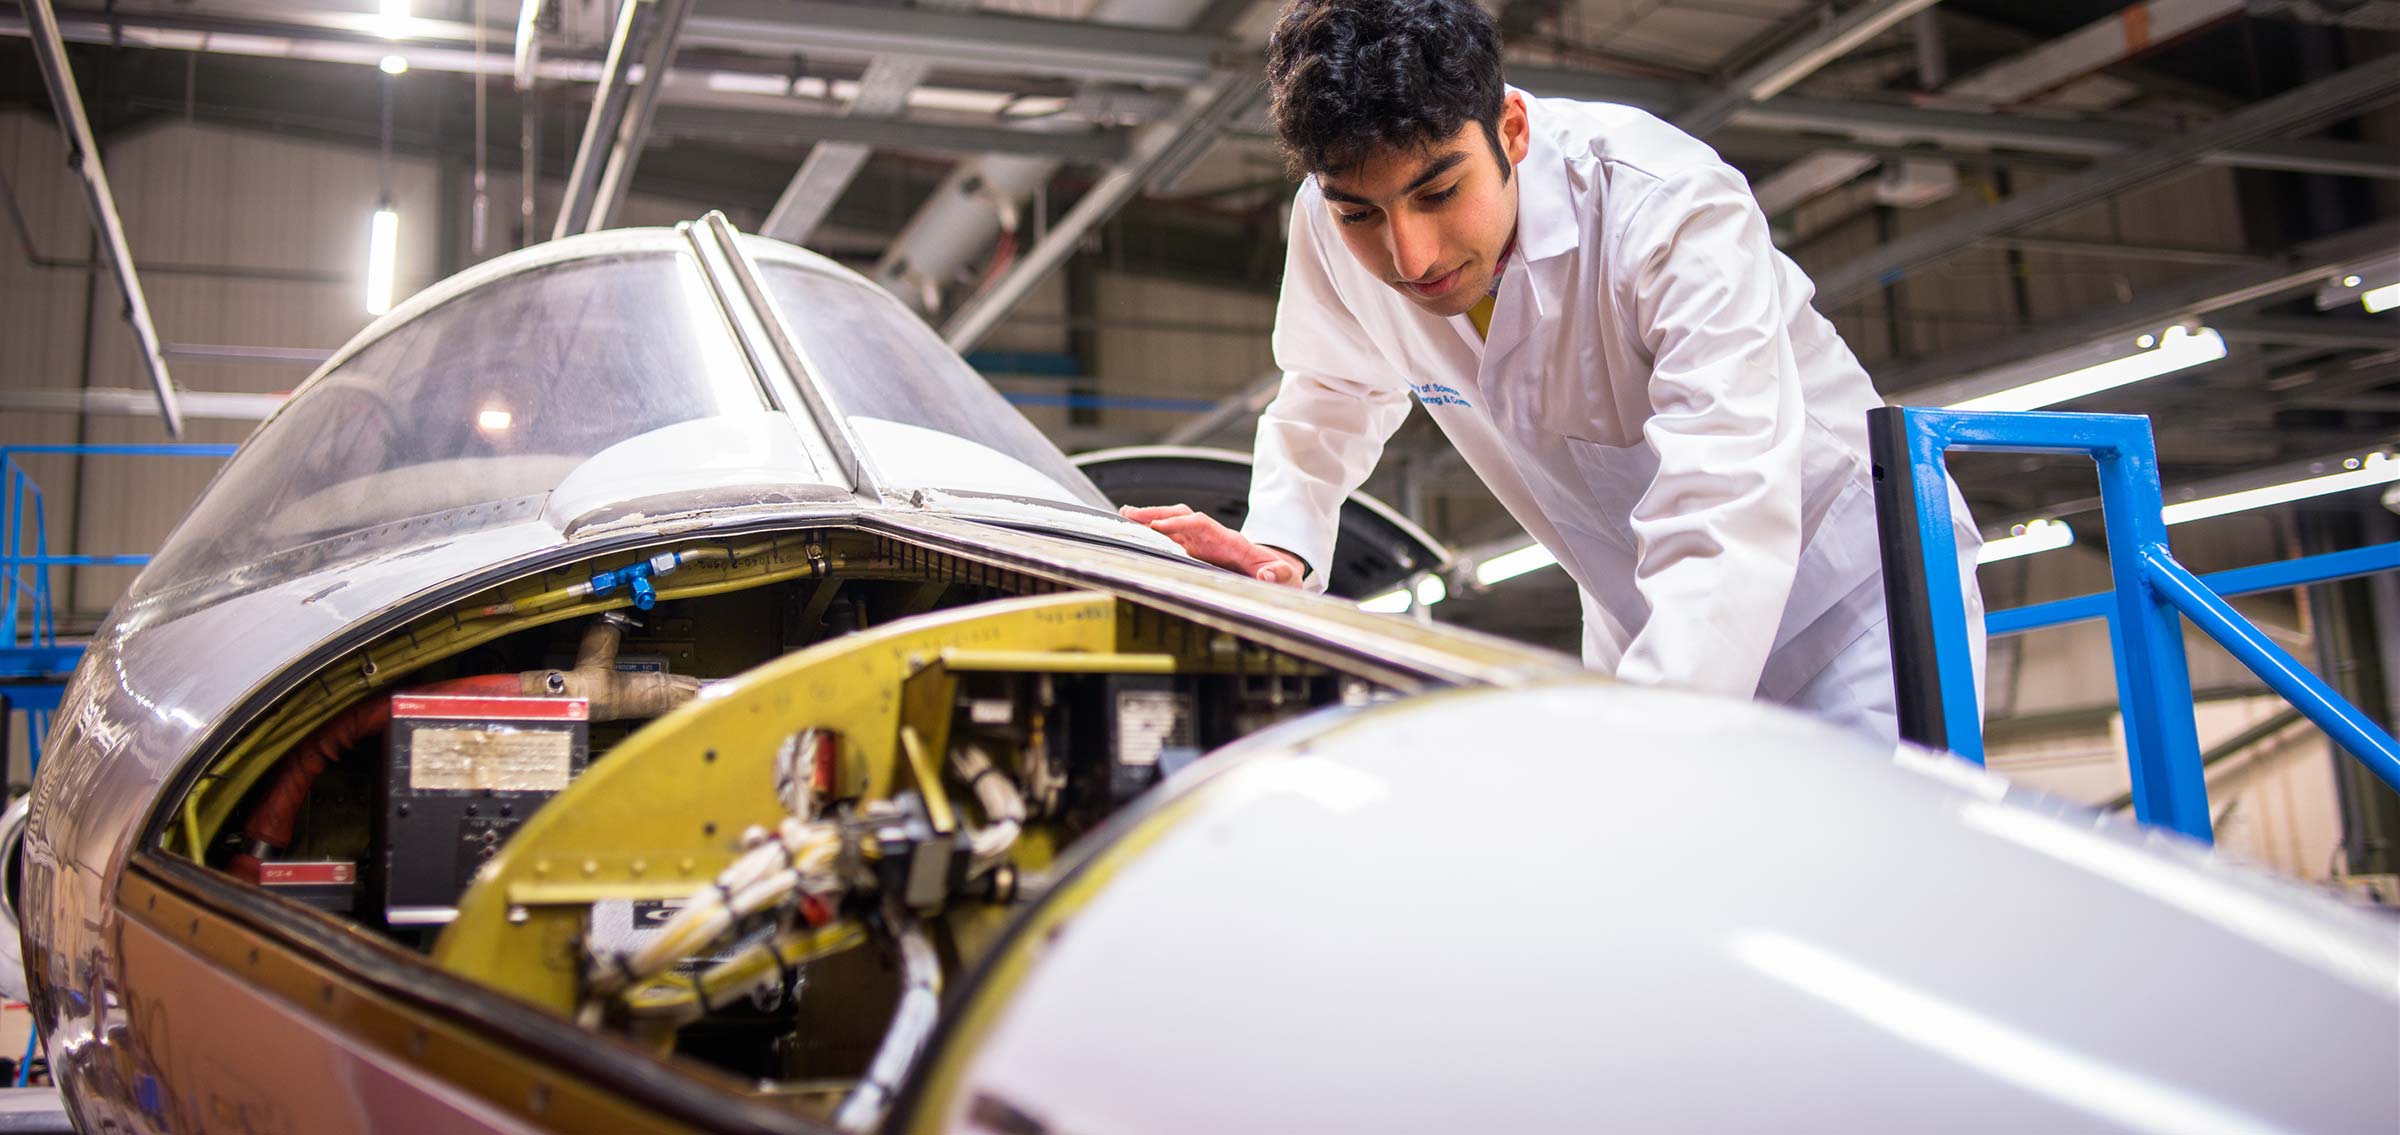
x=2177, y=349
x=1509, y=565
x=2358, y=473
x=2025, y=540
x=1427, y=592
x=383, y=246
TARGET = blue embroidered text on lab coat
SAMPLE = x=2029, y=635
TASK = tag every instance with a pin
x=1435, y=394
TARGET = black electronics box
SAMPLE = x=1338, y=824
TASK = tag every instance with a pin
x=463, y=771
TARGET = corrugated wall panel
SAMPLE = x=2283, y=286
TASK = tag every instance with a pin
x=1198, y=364
x=42, y=310
x=203, y=195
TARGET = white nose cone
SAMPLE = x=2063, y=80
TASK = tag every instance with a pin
x=1597, y=907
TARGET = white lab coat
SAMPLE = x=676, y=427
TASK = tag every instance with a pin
x=1658, y=405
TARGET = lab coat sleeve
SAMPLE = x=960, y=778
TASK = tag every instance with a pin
x=1718, y=530
x=1326, y=428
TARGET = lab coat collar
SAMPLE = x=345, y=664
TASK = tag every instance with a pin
x=1546, y=223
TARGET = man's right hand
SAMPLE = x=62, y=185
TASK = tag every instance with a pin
x=1206, y=540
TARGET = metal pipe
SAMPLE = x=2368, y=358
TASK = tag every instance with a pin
x=600, y=127
x=220, y=405
x=980, y=199
x=2367, y=85
x=633, y=128
x=1159, y=147
x=83, y=154
x=2167, y=254
x=2227, y=750
x=2339, y=719
x=1798, y=60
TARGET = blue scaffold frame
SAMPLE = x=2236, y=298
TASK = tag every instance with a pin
x=2151, y=595
x=33, y=664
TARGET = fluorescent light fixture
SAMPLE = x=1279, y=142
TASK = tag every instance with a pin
x=1431, y=590
x=1428, y=591
x=2176, y=350
x=391, y=17
x=383, y=241
x=2358, y=473
x=2026, y=539
x=2375, y=280
x=393, y=65
x=493, y=419
x=1510, y=565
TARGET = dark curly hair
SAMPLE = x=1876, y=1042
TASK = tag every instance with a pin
x=1350, y=77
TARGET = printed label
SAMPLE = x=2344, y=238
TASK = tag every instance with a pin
x=499, y=760
x=1435, y=394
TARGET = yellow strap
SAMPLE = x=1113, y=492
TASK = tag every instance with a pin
x=1481, y=316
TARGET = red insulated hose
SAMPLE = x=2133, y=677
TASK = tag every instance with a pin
x=270, y=824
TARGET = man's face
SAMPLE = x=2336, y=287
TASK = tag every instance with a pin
x=1432, y=222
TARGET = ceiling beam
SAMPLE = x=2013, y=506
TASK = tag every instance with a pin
x=2361, y=87
x=2165, y=254
x=633, y=132
x=2307, y=331
x=83, y=156
x=1929, y=381
x=1105, y=146
x=994, y=43
x=635, y=21
x=1797, y=60
x=974, y=41
x=1160, y=150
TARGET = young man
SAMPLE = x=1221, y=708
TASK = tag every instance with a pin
x=1586, y=300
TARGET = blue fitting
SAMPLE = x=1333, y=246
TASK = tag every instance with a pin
x=636, y=578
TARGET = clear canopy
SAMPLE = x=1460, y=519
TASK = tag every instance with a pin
x=925, y=418
x=465, y=415
x=469, y=413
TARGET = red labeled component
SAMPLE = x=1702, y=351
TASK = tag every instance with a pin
x=482, y=708
x=307, y=874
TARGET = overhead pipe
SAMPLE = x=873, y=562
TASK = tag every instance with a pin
x=1161, y=150
x=633, y=129
x=982, y=198
x=600, y=127
x=83, y=153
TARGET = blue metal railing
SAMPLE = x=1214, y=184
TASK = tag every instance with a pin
x=2151, y=596
x=33, y=663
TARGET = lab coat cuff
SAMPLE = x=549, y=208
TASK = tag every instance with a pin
x=1314, y=545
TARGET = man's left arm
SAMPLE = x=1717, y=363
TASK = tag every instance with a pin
x=1718, y=530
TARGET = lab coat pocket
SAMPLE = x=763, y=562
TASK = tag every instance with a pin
x=1577, y=402
x=1603, y=483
